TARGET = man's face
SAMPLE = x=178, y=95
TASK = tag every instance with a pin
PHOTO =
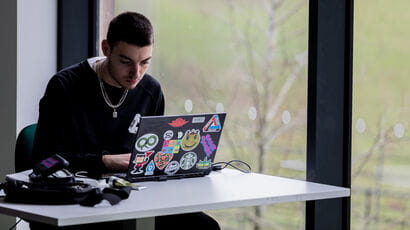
x=127, y=63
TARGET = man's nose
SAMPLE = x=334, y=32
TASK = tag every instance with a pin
x=135, y=70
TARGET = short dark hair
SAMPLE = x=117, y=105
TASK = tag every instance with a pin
x=132, y=28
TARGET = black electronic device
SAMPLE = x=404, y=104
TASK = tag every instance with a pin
x=50, y=165
x=173, y=146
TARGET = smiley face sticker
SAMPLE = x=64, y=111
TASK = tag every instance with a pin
x=191, y=139
x=146, y=142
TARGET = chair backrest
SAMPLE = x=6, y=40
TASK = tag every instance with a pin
x=24, y=148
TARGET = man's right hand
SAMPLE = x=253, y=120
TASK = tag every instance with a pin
x=117, y=162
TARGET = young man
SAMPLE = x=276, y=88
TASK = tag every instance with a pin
x=87, y=109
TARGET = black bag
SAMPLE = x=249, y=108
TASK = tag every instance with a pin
x=58, y=188
x=25, y=187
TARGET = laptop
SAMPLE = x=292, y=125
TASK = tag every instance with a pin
x=173, y=147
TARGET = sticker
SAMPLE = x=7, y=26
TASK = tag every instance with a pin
x=146, y=142
x=162, y=159
x=168, y=135
x=204, y=164
x=140, y=160
x=134, y=124
x=149, y=170
x=171, y=146
x=198, y=120
x=180, y=135
x=188, y=160
x=191, y=139
x=208, y=144
x=172, y=168
x=178, y=122
x=213, y=124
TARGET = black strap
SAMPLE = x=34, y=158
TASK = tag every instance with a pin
x=112, y=195
x=122, y=192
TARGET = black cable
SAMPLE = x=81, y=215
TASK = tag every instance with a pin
x=222, y=164
x=15, y=224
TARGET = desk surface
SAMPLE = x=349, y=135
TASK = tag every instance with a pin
x=224, y=189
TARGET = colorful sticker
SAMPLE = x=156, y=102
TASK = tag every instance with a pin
x=198, y=120
x=149, y=170
x=146, y=142
x=172, y=168
x=171, y=146
x=162, y=159
x=168, y=135
x=213, y=125
x=191, y=139
x=204, y=164
x=188, y=160
x=178, y=122
x=208, y=144
x=140, y=160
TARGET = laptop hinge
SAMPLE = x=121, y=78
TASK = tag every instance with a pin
x=162, y=178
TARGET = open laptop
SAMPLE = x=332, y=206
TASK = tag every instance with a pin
x=172, y=147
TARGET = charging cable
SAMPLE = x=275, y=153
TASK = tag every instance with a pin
x=236, y=164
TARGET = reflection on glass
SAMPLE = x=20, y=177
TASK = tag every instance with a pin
x=286, y=117
x=188, y=105
x=219, y=108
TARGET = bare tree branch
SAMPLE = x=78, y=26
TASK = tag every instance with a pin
x=301, y=118
x=291, y=12
x=286, y=86
x=382, y=139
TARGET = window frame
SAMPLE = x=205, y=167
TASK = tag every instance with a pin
x=329, y=109
x=77, y=33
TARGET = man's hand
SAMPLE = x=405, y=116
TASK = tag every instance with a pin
x=117, y=162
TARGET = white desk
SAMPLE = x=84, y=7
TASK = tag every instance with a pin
x=224, y=189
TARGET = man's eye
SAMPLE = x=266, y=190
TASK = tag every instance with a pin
x=125, y=62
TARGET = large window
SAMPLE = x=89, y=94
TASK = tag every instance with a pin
x=249, y=59
x=380, y=138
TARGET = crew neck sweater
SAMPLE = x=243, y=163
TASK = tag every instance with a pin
x=76, y=122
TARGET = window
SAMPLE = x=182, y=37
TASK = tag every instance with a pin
x=249, y=59
x=380, y=138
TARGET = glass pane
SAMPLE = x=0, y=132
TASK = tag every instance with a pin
x=249, y=59
x=380, y=138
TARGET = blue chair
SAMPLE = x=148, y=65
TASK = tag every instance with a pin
x=24, y=148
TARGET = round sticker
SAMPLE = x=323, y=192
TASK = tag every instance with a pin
x=168, y=135
x=146, y=142
x=172, y=168
x=188, y=160
x=191, y=139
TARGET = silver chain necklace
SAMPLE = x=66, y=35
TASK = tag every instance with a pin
x=108, y=101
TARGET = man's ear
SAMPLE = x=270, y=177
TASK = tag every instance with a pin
x=105, y=47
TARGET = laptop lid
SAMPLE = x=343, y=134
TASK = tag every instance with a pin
x=170, y=147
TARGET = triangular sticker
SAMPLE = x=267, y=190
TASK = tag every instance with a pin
x=213, y=125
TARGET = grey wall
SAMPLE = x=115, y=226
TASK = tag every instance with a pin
x=27, y=61
x=8, y=84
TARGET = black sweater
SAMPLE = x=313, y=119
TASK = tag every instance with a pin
x=75, y=121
